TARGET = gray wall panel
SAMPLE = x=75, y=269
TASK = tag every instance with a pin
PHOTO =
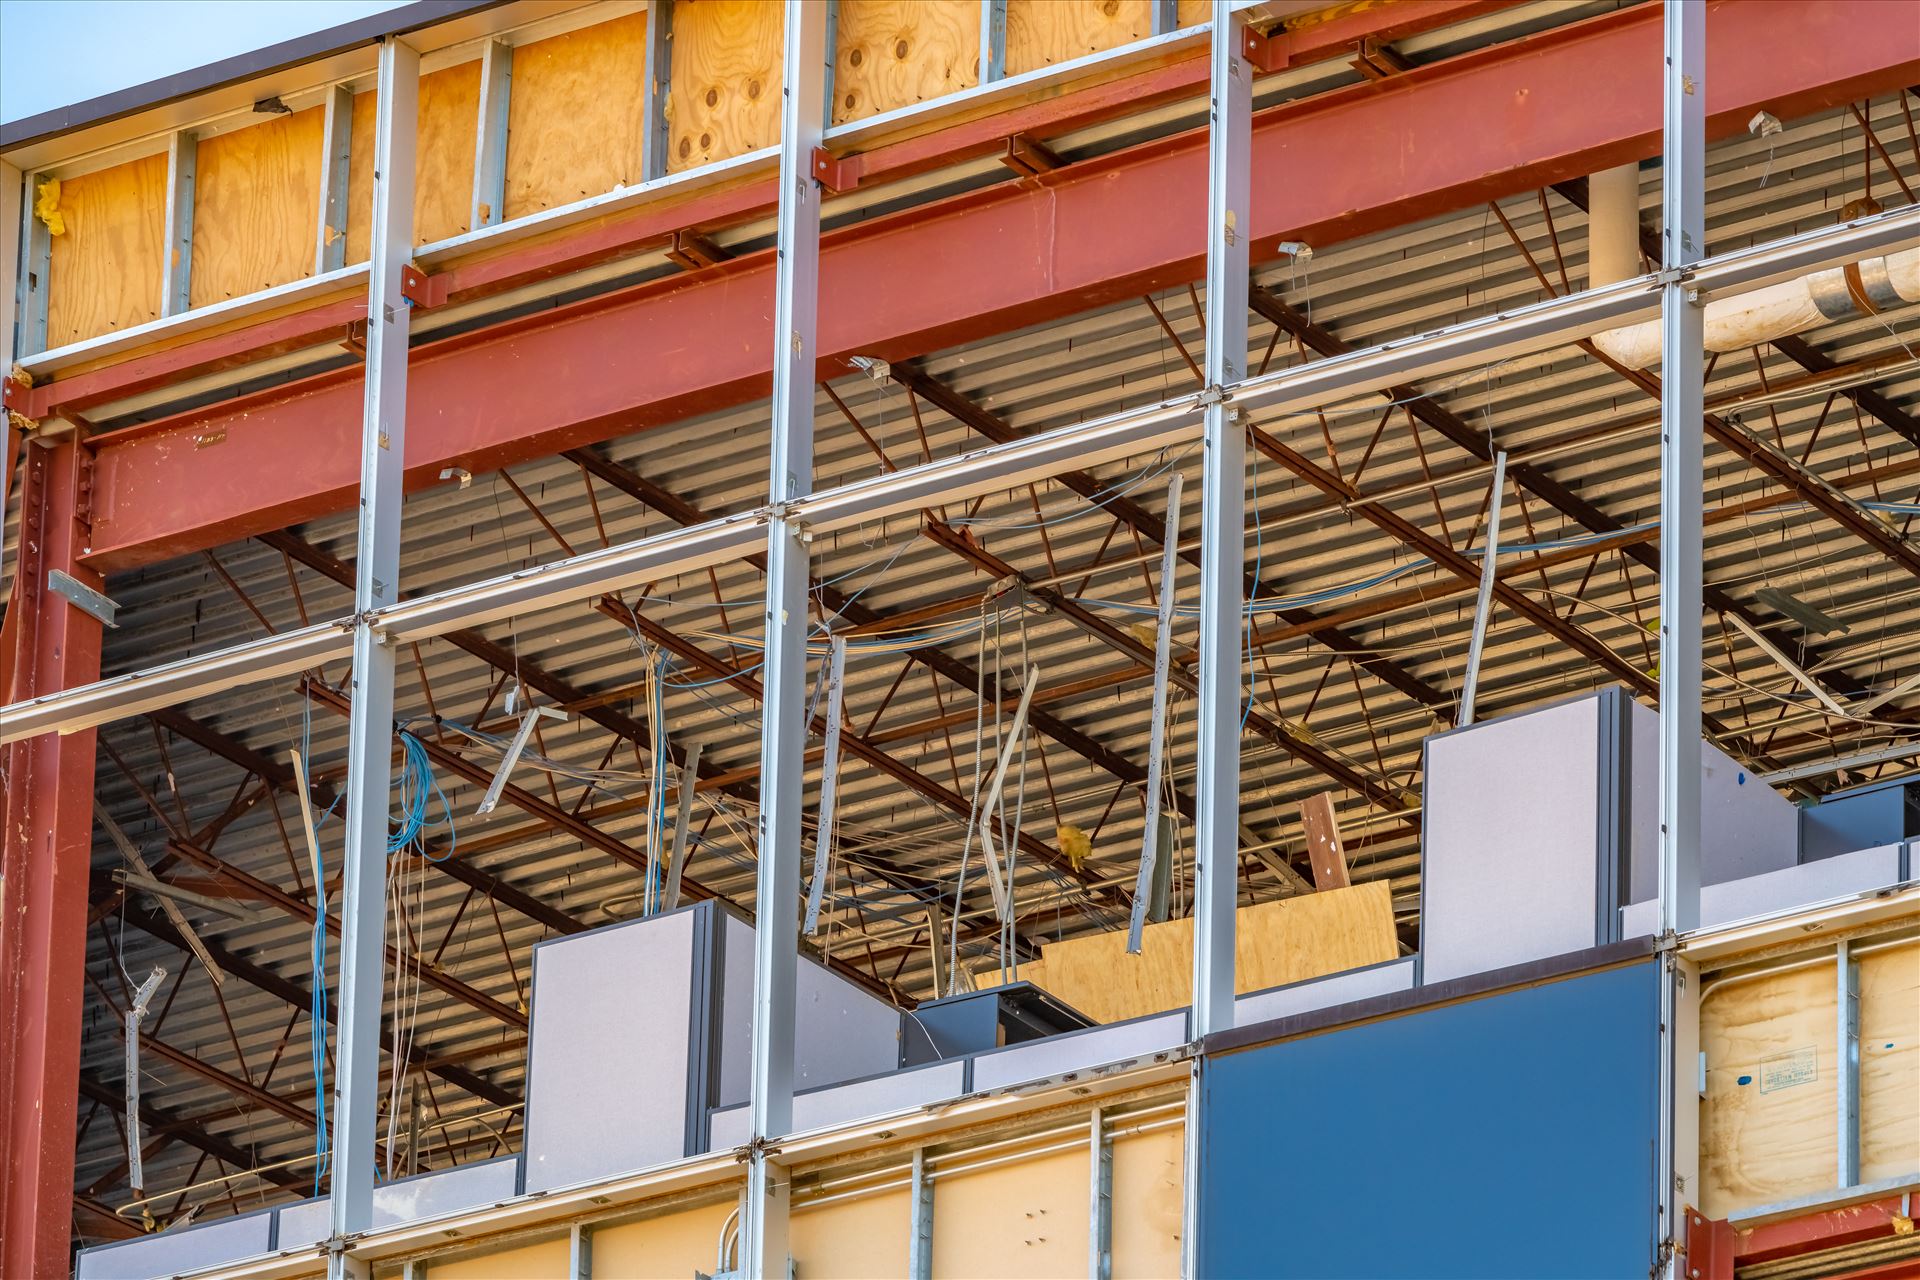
x=1746, y=827
x=839, y=1031
x=430, y=1195
x=607, y=1051
x=1324, y=993
x=1039, y=1059
x=1512, y=814
x=880, y=1096
x=1800, y=886
x=172, y=1252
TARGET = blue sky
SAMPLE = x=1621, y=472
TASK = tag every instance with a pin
x=57, y=52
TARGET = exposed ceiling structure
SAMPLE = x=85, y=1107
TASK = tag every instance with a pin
x=1363, y=521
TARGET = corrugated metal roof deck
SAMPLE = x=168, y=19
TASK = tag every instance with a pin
x=896, y=843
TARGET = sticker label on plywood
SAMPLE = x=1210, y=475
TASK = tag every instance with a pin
x=1785, y=1070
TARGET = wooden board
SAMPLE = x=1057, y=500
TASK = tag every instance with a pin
x=256, y=206
x=1043, y=32
x=724, y=100
x=894, y=53
x=860, y=1239
x=106, y=270
x=1768, y=1123
x=545, y=1260
x=1149, y=1177
x=1024, y=1218
x=670, y=1246
x=1275, y=943
x=575, y=116
x=1890, y=1062
x=443, y=174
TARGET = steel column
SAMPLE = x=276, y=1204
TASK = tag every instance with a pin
x=1222, y=530
x=763, y=1218
x=45, y=848
x=376, y=585
x=1683, y=238
x=1683, y=354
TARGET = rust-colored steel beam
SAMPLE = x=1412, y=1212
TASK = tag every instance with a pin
x=1570, y=100
x=1153, y=528
x=1284, y=736
x=46, y=848
x=1527, y=475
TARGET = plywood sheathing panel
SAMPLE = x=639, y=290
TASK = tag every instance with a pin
x=724, y=99
x=443, y=166
x=1275, y=943
x=1768, y=1125
x=671, y=1246
x=894, y=53
x=1149, y=1176
x=1043, y=32
x=859, y=1239
x=256, y=206
x=1890, y=1062
x=106, y=269
x=1024, y=1218
x=576, y=115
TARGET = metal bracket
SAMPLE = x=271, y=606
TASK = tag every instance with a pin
x=834, y=173
x=82, y=597
x=422, y=290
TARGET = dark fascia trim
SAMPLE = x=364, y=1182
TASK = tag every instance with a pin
x=237, y=69
x=1532, y=973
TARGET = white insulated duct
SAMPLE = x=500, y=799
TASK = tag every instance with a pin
x=1744, y=320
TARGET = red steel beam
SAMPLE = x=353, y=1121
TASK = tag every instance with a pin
x=1438, y=138
x=45, y=848
x=657, y=224
x=1715, y=1247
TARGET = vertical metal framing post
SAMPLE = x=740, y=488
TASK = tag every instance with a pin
x=13, y=276
x=1216, y=844
x=993, y=40
x=336, y=151
x=1100, y=1203
x=1683, y=242
x=763, y=1225
x=1847, y=1058
x=376, y=584
x=46, y=846
x=659, y=77
x=1222, y=532
x=1166, y=16
x=490, y=136
x=36, y=269
x=920, y=1223
x=183, y=153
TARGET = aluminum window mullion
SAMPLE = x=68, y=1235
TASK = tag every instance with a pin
x=1683, y=354
x=370, y=725
x=763, y=1219
x=1222, y=531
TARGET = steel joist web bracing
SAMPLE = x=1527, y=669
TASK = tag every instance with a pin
x=982, y=501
